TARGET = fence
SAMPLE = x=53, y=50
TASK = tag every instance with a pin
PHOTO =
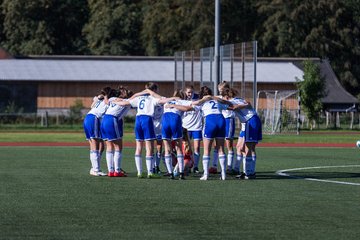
x=237, y=66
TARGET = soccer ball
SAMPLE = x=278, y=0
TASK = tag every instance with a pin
x=358, y=144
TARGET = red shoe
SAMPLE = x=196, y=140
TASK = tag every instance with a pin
x=111, y=174
x=213, y=170
x=120, y=174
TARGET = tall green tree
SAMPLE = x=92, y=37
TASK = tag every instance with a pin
x=44, y=26
x=2, y=36
x=312, y=90
x=324, y=28
x=175, y=25
x=114, y=27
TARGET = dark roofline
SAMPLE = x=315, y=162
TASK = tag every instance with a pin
x=96, y=57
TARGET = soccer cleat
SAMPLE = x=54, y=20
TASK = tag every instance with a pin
x=122, y=170
x=241, y=176
x=102, y=173
x=252, y=176
x=167, y=174
x=196, y=170
x=120, y=174
x=97, y=173
x=232, y=172
x=181, y=177
x=140, y=175
x=153, y=176
x=213, y=170
x=204, y=178
x=157, y=170
x=171, y=176
x=111, y=174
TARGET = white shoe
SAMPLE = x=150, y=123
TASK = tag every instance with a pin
x=101, y=173
x=223, y=176
x=204, y=178
x=97, y=173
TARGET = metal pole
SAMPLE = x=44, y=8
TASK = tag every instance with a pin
x=243, y=70
x=176, y=77
x=217, y=45
x=201, y=66
x=255, y=80
x=183, y=70
x=192, y=68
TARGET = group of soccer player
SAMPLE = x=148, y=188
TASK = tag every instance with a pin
x=173, y=122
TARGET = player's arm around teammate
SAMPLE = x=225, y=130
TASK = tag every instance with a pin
x=214, y=129
x=91, y=127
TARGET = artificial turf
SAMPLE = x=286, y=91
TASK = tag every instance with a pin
x=47, y=193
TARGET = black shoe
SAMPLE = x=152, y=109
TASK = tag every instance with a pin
x=251, y=176
x=171, y=176
x=181, y=177
x=196, y=170
x=241, y=176
x=158, y=170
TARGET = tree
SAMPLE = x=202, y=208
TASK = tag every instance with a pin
x=177, y=25
x=44, y=26
x=325, y=28
x=311, y=89
x=114, y=27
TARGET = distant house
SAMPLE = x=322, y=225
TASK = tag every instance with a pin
x=53, y=83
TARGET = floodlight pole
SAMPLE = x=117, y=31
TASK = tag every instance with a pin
x=217, y=46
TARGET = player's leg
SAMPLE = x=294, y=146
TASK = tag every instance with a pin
x=168, y=157
x=180, y=157
x=110, y=158
x=222, y=156
x=240, y=154
x=206, y=157
x=118, y=146
x=149, y=146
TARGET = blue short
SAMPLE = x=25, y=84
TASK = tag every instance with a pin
x=214, y=126
x=171, y=126
x=111, y=128
x=196, y=135
x=92, y=127
x=253, y=130
x=144, y=128
x=229, y=128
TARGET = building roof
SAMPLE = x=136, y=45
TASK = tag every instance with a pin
x=146, y=69
x=336, y=96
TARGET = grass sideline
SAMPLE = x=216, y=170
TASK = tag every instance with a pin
x=47, y=193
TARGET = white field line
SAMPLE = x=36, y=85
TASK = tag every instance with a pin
x=284, y=174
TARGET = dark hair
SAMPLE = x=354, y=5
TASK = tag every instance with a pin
x=105, y=91
x=204, y=90
x=152, y=86
x=124, y=92
x=179, y=93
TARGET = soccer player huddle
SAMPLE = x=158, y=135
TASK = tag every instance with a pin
x=173, y=123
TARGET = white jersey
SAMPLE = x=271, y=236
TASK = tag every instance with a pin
x=192, y=120
x=212, y=107
x=116, y=110
x=227, y=113
x=158, y=112
x=244, y=114
x=175, y=110
x=98, y=108
x=145, y=105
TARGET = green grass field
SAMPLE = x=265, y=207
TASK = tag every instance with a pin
x=47, y=193
x=78, y=136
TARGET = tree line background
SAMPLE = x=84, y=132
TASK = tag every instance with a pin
x=300, y=28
